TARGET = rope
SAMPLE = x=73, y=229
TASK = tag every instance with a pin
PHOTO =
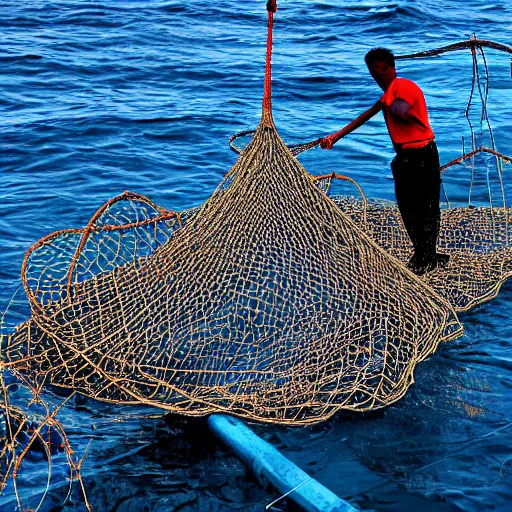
x=335, y=176
x=294, y=148
x=267, y=92
x=232, y=139
x=472, y=154
x=461, y=45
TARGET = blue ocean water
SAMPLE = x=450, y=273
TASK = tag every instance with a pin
x=98, y=97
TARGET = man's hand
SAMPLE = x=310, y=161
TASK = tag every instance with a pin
x=327, y=142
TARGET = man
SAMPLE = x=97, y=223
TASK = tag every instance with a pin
x=416, y=164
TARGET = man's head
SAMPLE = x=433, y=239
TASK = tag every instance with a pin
x=381, y=64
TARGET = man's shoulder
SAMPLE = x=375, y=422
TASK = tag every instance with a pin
x=405, y=82
x=402, y=88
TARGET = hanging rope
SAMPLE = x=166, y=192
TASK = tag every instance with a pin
x=472, y=154
x=267, y=91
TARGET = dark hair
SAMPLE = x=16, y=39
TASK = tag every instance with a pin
x=380, y=54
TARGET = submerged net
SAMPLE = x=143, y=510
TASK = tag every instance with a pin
x=271, y=301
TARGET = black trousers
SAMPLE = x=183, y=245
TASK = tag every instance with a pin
x=417, y=187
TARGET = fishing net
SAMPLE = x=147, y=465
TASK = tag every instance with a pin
x=477, y=240
x=271, y=301
x=268, y=302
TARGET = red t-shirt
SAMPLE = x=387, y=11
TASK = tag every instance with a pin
x=414, y=134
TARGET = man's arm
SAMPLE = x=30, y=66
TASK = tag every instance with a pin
x=329, y=141
x=401, y=109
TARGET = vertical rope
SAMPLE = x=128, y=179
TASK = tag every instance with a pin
x=485, y=115
x=267, y=92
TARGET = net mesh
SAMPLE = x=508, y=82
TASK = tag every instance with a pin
x=267, y=302
x=477, y=240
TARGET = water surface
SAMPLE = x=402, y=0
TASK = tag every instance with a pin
x=100, y=97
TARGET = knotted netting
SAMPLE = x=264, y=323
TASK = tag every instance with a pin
x=267, y=302
x=476, y=239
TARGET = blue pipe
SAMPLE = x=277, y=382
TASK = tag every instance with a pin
x=269, y=465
